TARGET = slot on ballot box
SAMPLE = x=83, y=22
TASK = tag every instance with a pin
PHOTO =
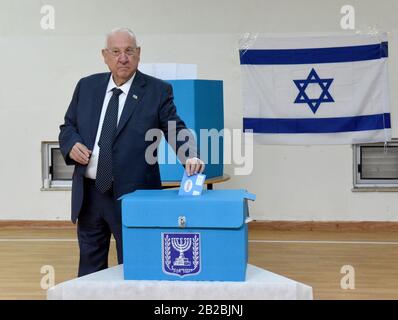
x=172, y=237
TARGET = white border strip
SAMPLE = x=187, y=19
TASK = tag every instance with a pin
x=325, y=242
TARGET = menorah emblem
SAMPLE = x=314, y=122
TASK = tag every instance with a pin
x=181, y=253
x=181, y=245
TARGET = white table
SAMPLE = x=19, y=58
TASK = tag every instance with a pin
x=109, y=284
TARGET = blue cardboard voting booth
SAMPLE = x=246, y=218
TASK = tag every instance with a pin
x=200, y=105
x=172, y=237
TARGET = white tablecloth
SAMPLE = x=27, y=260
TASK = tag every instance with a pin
x=109, y=284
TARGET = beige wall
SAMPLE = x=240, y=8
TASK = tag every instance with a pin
x=40, y=69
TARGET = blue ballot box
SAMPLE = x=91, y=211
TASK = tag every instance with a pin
x=200, y=105
x=172, y=237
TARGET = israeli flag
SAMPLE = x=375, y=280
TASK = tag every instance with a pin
x=325, y=89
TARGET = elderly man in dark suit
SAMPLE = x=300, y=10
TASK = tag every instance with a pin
x=104, y=137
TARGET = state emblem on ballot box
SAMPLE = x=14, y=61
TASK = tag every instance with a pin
x=171, y=237
x=181, y=253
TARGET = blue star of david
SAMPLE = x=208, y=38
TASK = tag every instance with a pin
x=302, y=86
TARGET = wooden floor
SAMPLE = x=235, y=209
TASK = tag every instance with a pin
x=312, y=257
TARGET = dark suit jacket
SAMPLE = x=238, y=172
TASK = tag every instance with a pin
x=149, y=104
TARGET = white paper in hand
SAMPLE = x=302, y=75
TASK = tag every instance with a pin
x=193, y=185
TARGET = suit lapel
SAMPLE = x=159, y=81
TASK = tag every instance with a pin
x=98, y=101
x=133, y=99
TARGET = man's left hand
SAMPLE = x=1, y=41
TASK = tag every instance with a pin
x=194, y=165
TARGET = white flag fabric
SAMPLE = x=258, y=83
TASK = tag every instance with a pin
x=325, y=89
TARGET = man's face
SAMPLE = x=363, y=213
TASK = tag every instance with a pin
x=122, y=56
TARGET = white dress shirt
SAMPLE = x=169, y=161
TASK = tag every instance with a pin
x=91, y=171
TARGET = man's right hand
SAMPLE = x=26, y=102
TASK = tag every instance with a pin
x=80, y=153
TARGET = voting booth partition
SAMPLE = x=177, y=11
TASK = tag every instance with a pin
x=200, y=105
x=172, y=237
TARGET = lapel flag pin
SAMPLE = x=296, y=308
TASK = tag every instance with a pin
x=135, y=97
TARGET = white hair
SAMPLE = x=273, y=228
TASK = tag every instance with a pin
x=117, y=30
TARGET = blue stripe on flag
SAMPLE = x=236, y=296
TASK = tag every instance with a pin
x=320, y=125
x=314, y=55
